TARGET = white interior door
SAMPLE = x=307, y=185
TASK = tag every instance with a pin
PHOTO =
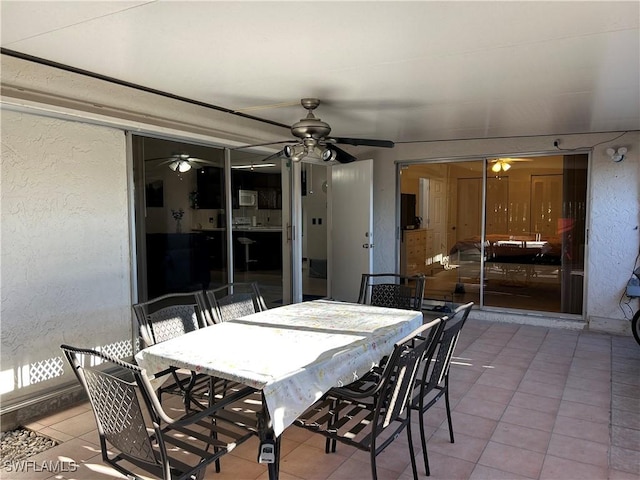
x=351, y=228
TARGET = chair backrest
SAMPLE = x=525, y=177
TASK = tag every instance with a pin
x=392, y=290
x=169, y=316
x=233, y=300
x=438, y=364
x=399, y=375
x=116, y=402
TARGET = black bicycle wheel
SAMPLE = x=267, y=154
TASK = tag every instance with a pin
x=635, y=326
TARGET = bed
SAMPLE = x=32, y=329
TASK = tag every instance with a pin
x=515, y=259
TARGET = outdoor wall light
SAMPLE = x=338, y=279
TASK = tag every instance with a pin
x=617, y=155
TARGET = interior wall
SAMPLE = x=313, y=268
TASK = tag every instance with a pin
x=613, y=217
x=66, y=263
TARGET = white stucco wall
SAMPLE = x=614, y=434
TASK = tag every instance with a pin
x=65, y=258
x=613, y=219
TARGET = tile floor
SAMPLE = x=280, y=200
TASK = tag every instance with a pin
x=529, y=403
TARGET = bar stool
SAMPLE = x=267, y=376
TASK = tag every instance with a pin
x=247, y=242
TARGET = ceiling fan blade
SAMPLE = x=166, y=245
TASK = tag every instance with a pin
x=341, y=155
x=363, y=141
x=264, y=144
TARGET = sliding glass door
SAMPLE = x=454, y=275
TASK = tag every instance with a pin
x=501, y=232
x=205, y=217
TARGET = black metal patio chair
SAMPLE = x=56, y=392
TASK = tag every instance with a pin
x=136, y=434
x=370, y=415
x=233, y=300
x=433, y=381
x=392, y=290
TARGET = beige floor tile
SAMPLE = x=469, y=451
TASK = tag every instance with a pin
x=470, y=425
x=493, y=394
x=536, y=403
x=480, y=472
x=529, y=418
x=598, y=399
x=521, y=437
x=584, y=429
x=55, y=434
x=465, y=447
x=311, y=463
x=556, y=468
x=584, y=412
x=625, y=459
x=480, y=408
x=558, y=379
x=236, y=468
x=353, y=469
x=583, y=451
x=620, y=475
x=444, y=467
x=587, y=383
x=76, y=425
x=625, y=403
x=512, y=459
x=625, y=437
x=495, y=378
x=536, y=387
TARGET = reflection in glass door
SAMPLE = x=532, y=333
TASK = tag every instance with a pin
x=257, y=223
x=314, y=231
x=515, y=232
x=193, y=234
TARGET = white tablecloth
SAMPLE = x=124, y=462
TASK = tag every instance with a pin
x=294, y=353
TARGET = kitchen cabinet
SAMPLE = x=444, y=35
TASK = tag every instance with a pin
x=210, y=183
x=268, y=186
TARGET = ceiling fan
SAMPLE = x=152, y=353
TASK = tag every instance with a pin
x=504, y=164
x=313, y=138
x=181, y=162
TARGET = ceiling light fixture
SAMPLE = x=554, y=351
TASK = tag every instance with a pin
x=180, y=166
x=500, y=165
x=617, y=155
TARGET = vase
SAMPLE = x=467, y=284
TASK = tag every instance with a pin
x=178, y=226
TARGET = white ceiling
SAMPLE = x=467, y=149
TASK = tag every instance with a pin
x=403, y=71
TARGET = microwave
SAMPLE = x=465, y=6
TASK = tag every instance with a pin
x=247, y=198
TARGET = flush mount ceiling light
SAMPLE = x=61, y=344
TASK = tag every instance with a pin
x=617, y=155
x=500, y=165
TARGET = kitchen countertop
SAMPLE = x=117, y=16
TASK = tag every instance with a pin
x=243, y=228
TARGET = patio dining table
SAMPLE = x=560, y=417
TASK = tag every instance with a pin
x=292, y=354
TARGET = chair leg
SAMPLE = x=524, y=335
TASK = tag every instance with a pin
x=446, y=401
x=423, y=439
x=374, y=471
x=414, y=469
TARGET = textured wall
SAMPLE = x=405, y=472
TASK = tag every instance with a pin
x=65, y=247
x=614, y=216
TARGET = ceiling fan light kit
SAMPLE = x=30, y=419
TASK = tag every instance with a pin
x=500, y=165
x=180, y=166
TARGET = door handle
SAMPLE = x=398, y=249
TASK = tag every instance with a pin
x=367, y=245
